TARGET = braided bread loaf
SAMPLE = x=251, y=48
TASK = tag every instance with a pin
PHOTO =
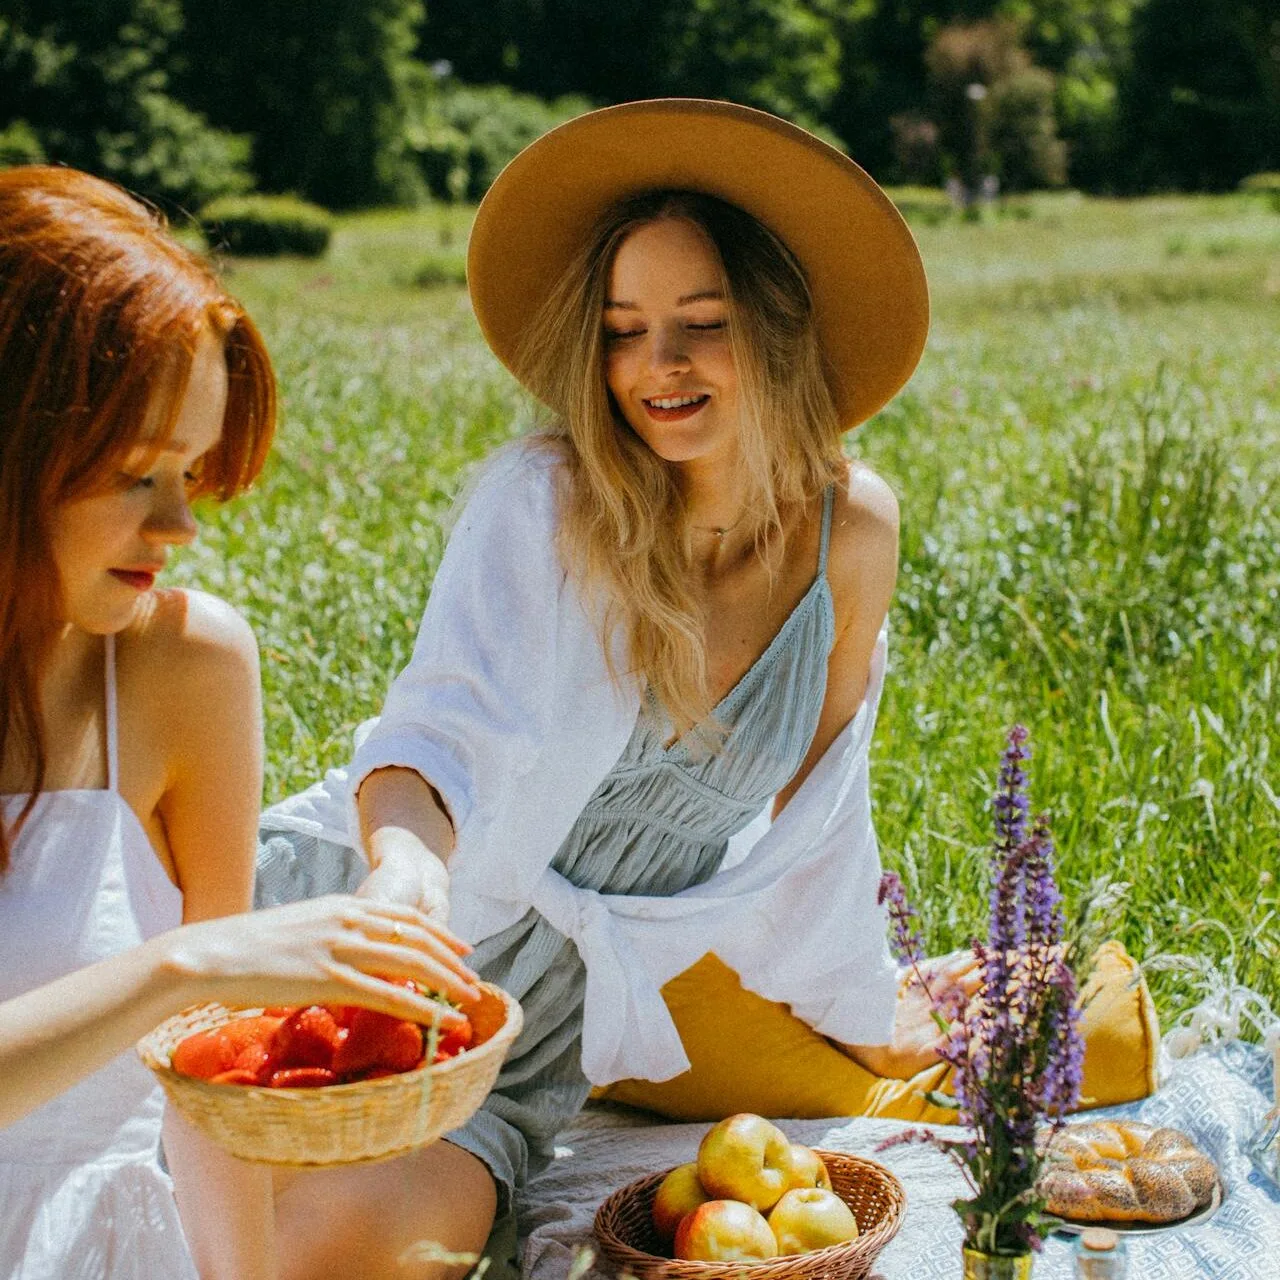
x=1104, y=1171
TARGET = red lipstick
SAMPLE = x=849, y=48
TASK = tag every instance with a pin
x=138, y=579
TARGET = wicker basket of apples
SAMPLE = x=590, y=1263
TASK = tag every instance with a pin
x=325, y=1085
x=753, y=1197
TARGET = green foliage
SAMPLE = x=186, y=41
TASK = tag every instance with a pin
x=779, y=55
x=1200, y=105
x=782, y=55
x=92, y=80
x=324, y=87
x=353, y=104
x=1263, y=184
x=266, y=226
x=925, y=205
x=20, y=145
x=440, y=268
x=468, y=133
x=1023, y=132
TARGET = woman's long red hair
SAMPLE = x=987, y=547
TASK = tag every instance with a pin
x=100, y=313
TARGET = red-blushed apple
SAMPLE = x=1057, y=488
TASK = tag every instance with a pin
x=746, y=1158
x=679, y=1193
x=807, y=1169
x=811, y=1218
x=724, y=1231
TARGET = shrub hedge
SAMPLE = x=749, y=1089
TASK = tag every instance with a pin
x=265, y=226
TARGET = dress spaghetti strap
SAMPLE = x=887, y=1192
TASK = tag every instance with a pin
x=828, y=505
x=113, y=773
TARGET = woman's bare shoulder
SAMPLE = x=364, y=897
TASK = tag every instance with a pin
x=191, y=651
x=864, y=536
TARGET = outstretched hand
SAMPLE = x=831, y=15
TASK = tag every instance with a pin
x=339, y=949
x=916, y=1034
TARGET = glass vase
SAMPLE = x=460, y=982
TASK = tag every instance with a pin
x=996, y=1266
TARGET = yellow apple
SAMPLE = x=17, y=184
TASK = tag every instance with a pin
x=811, y=1218
x=807, y=1169
x=746, y=1158
x=679, y=1193
x=724, y=1231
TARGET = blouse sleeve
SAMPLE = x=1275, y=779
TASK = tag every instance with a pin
x=472, y=706
x=507, y=707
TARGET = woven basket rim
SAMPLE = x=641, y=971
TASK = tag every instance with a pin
x=361, y=1120
x=155, y=1042
x=867, y=1245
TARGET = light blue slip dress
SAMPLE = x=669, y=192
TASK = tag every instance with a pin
x=659, y=822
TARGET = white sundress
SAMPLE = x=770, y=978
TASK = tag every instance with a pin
x=82, y=1196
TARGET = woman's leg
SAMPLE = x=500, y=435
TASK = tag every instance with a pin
x=359, y=1222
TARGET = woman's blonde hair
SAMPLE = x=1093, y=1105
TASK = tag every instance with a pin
x=624, y=534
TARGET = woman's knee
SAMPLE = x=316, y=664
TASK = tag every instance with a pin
x=425, y=1216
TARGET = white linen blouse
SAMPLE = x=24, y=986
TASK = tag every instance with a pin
x=507, y=708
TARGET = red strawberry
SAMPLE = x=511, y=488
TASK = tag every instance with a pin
x=256, y=1058
x=402, y=1047
x=244, y=1031
x=451, y=1042
x=378, y=1040
x=236, y=1075
x=204, y=1055
x=306, y=1038
x=302, y=1078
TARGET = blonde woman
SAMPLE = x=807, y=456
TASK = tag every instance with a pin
x=636, y=722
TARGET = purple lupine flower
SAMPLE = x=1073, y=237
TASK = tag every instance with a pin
x=1064, y=1048
x=906, y=1138
x=1044, y=902
x=1014, y=1048
x=1010, y=802
x=905, y=939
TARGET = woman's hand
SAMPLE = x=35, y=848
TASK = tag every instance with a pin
x=408, y=835
x=952, y=978
x=407, y=872
x=324, y=951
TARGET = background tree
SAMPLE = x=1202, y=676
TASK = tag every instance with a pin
x=993, y=107
x=782, y=55
x=325, y=87
x=89, y=83
x=1086, y=45
x=1200, y=105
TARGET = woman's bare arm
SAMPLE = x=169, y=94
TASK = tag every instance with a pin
x=409, y=838
x=210, y=814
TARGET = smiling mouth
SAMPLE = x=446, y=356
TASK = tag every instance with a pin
x=673, y=408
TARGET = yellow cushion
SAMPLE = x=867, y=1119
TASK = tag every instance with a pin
x=749, y=1054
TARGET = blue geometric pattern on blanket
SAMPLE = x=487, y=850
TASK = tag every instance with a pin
x=1218, y=1097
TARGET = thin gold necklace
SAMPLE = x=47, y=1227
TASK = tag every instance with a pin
x=720, y=530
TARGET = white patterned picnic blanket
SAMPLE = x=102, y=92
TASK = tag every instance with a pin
x=1218, y=1097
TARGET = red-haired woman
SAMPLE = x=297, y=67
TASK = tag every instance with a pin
x=130, y=748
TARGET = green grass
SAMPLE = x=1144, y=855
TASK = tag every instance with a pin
x=1087, y=461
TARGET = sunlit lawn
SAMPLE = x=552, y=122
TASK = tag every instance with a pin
x=1087, y=462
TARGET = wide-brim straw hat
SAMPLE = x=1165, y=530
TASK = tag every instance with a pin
x=864, y=270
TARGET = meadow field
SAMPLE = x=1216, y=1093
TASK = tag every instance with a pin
x=1088, y=463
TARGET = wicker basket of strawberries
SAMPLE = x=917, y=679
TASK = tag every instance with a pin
x=325, y=1085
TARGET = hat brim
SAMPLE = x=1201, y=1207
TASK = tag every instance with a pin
x=864, y=269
